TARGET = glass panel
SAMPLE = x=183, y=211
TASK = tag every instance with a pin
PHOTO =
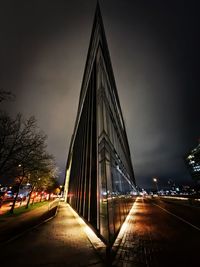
x=103, y=201
x=109, y=197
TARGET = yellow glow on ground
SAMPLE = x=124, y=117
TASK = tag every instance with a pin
x=126, y=224
x=96, y=242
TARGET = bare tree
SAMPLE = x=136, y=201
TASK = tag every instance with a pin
x=23, y=151
x=6, y=95
x=20, y=141
x=10, y=136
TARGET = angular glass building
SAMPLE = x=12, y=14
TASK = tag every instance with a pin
x=100, y=183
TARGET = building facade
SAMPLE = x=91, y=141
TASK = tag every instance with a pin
x=100, y=183
x=193, y=163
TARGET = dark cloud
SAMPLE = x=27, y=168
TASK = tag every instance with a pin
x=154, y=51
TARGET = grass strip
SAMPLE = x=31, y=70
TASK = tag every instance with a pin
x=20, y=210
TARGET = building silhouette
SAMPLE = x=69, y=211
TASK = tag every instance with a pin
x=100, y=183
x=192, y=160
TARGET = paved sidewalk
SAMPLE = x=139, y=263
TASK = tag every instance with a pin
x=60, y=242
x=136, y=247
x=159, y=234
x=12, y=226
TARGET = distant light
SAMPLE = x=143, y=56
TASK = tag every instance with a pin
x=155, y=180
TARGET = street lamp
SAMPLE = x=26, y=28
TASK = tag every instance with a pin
x=155, y=180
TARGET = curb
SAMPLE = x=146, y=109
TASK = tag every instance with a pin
x=31, y=228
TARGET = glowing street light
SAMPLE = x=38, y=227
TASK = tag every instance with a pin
x=155, y=180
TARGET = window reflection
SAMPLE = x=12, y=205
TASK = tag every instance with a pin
x=115, y=168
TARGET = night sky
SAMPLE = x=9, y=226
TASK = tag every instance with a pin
x=154, y=52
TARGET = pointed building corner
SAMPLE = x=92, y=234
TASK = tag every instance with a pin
x=98, y=10
x=98, y=5
x=100, y=183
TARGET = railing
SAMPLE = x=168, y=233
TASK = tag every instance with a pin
x=54, y=203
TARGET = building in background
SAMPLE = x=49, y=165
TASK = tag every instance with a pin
x=100, y=183
x=193, y=163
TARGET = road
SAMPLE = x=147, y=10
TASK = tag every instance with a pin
x=161, y=232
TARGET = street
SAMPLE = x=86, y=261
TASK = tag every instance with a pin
x=158, y=233
x=161, y=232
